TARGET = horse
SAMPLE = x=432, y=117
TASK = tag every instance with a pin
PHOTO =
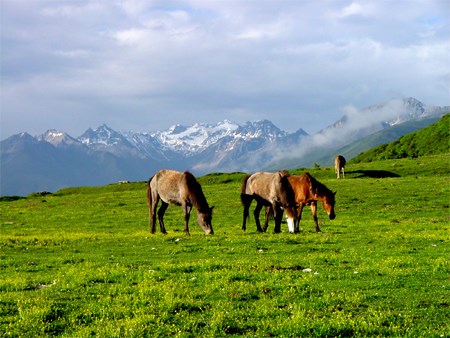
x=339, y=164
x=177, y=188
x=268, y=189
x=307, y=192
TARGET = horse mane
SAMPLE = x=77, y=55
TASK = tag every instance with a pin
x=196, y=195
x=286, y=185
x=316, y=187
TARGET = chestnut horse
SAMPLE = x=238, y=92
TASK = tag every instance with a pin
x=307, y=192
x=176, y=188
x=268, y=189
x=339, y=164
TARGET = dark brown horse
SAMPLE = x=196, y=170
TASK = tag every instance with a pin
x=268, y=189
x=176, y=188
x=339, y=165
x=308, y=191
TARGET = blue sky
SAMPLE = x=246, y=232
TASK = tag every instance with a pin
x=146, y=65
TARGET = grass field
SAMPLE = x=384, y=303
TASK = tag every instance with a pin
x=81, y=262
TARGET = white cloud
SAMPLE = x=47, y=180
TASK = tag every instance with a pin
x=130, y=36
x=293, y=62
x=354, y=9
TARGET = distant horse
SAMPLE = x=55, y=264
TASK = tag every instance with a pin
x=307, y=192
x=176, y=188
x=268, y=189
x=339, y=164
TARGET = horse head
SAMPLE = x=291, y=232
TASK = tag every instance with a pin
x=328, y=205
x=204, y=219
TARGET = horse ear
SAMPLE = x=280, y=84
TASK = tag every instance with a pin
x=335, y=193
x=210, y=209
x=283, y=173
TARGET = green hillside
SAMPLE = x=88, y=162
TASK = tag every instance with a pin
x=82, y=263
x=431, y=140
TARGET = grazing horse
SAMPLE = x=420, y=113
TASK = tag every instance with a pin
x=339, y=164
x=268, y=189
x=307, y=192
x=176, y=188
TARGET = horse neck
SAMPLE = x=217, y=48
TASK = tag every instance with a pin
x=287, y=193
x=319, y=190
x=198, y=200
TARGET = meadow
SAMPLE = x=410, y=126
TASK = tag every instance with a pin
x=81, y=262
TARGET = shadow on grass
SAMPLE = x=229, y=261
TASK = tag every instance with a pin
x=372, y=173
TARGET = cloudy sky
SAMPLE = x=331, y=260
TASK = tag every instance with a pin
x=145, y=65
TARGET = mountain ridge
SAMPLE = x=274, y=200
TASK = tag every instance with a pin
x=103, y=155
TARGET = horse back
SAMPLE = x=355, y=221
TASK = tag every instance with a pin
x=166, y=183
x=302, y=186
x=259, y=183
x=270, y=187
x=339, y=161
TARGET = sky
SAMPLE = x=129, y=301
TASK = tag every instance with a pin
x=145, y=65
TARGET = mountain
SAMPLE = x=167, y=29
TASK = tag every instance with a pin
x=100, y=156
x=431, y=140
x=352, y=129
x=385, y=135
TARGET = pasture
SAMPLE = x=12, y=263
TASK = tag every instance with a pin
x=81, y=262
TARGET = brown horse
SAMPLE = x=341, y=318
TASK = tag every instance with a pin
x=307, y=192
x=339, y=164
x=177, y=188
x=268, y=189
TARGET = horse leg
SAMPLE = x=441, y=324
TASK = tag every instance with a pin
x=187, y=213
x=278, y=216
x=256, y=213
x=266, y=222
x=343, y=172
x=161, y=212
x=246, y=201
x=153, y=204
x=314, y=214
x=299, y=217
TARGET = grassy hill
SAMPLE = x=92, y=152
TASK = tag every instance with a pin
x=81, y=262
x=383, y=136
x=434, y=139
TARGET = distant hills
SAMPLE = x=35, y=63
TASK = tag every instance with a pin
x=430, y=140
x=100, y=156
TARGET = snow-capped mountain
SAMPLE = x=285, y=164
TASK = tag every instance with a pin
x=196, y=138
x=58, y=138
x=187, y=141
x=102, y=155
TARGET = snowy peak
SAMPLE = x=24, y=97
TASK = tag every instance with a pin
x=262, y=128
x=57, y=138
x=195, y=138
x=409, y=109
x=103, y=135
x=380, y=116
x=397, y=111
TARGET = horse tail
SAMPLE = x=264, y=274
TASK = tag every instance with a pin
x=243, y=188
x=149, y=192
x=246, y=200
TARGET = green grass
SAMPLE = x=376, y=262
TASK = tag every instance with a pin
x=81, y=262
